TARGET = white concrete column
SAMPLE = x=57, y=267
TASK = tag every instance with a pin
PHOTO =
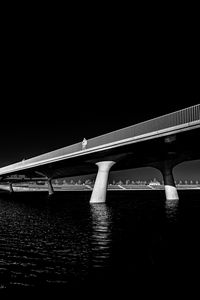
x=170, y=187
x=10, y=187
x=50, y=187
x=101, y=182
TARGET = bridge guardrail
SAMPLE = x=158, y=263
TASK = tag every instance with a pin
x=187, y=115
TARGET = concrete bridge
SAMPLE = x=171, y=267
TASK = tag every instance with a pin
x=162, y=142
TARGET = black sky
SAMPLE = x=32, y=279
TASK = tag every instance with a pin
x=62, y=83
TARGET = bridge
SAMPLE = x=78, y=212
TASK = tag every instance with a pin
x=162, y=143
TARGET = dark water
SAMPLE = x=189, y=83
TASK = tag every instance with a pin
x=135, y=239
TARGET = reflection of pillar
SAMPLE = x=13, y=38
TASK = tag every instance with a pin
x=50, y=187
x=10, y=187
x=101, y=182
x=171, y=207
x=101, y=234
x=100, y=219
x=170, y=187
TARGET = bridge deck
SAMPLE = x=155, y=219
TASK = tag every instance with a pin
x=179, y=120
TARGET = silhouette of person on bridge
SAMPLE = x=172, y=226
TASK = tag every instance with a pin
x=84, y=144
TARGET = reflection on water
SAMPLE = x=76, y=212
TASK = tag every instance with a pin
x=171, y=208
x=101, y=233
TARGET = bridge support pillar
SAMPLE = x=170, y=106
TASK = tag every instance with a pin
x=10, y=187
x=50, y=187
x=170, y=187
x=101, y=182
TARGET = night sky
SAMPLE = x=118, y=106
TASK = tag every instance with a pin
x=59, y=86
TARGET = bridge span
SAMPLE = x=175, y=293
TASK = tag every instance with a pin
x=162, y=142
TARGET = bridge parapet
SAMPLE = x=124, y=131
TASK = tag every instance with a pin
x=43, y=157
x=185, y=116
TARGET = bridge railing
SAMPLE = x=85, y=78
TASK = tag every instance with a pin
x=62, y=151
x=187, y=115
x=49, y=155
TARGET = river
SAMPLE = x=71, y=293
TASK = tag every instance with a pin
x=135, y=238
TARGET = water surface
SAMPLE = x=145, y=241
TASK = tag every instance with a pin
x=135, y=238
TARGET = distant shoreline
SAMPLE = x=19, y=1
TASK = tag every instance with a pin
x=88, y=188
